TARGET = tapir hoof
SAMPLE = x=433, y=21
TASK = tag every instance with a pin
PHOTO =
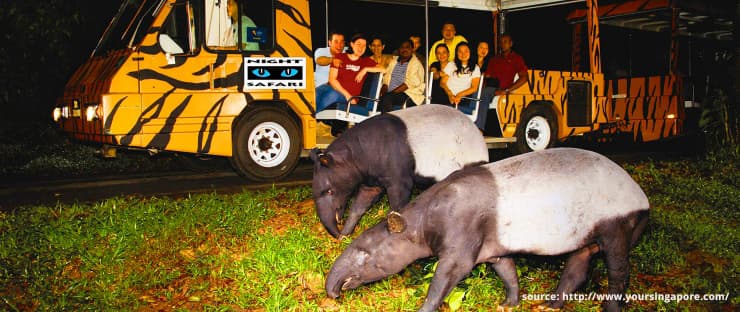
x=505, y=308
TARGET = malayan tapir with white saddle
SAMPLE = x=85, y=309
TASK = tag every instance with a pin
x=551, y=202
x=391, y=153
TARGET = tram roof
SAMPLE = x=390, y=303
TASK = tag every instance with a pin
x=482, y=5
x=703, y=19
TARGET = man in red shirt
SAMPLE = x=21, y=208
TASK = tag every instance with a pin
x=503, y=67
x=501, y=70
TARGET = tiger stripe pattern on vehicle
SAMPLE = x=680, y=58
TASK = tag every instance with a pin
x=187, y=103
x=647, y=107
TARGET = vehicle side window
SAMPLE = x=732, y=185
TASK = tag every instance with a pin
x=177, y=35
x=245, y=25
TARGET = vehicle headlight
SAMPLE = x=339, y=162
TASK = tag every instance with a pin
x=91, y=112
x=65, y=112
x=56, y=114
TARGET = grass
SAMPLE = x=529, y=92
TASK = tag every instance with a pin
x=266, y=251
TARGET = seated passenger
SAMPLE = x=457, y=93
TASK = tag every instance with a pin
x=499, y=75
x=482, y=54
x=377, y=46
x=404, y=80
x=462, y=78
x=346, y=75
x=505, y=66
x=438, y=68
x=323, y=57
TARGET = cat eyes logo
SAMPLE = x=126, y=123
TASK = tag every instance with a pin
x=274, y=73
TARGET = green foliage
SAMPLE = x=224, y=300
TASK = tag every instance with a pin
x=267, y=250
x=43, y=43
x=720, y=120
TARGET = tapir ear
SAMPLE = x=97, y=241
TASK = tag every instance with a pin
x=325, y=159
x=396, y=222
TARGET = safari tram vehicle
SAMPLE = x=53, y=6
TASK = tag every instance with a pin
x=180, y=76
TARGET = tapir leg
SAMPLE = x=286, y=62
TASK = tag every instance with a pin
x=506, y=270
x=366, y=197
x=576, y=270
x=399, y=193
x=450, y=271
x=615, y=245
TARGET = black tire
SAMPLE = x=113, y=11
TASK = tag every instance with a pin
x=529, y=133
x=266, y=145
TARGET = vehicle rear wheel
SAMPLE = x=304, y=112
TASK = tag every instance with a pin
x=536, y=131
x=266, y=145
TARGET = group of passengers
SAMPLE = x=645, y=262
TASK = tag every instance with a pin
x=456, y=71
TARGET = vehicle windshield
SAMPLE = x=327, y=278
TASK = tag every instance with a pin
x=128, y=26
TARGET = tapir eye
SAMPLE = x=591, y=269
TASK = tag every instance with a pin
x=329, y=192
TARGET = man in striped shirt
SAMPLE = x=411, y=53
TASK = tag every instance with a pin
x=403, y=81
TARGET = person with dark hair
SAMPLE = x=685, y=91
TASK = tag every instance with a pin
x=450, y=38
x=499, y=74
x=463, y=77
x=416, y=39
x=377, y=45
x=505, y=66
x=439, y=68
x=323, y=57
x=404, y=80
x=462, y=81
x=482, y=55
x=346, y=75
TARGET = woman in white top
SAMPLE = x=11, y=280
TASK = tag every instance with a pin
x=462, y=77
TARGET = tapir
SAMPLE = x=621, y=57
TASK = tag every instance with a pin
x=550, y=202
x=391, y=153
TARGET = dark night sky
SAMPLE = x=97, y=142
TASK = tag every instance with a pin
x=396, y=22
x=541, y=36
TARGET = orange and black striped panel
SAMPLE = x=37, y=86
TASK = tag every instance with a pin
x=191, y=103
x=648, y=107
x=551, y=88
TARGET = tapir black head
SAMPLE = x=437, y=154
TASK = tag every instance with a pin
x=381, y=251
x=334, y=182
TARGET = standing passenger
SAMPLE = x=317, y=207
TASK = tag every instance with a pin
x=404, y=80
x=450, y=38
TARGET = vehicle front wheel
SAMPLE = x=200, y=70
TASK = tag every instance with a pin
x=266, y=145
x=536, y=131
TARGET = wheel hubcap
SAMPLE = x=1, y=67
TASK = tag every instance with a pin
x=269, y=144
x=537, y=133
